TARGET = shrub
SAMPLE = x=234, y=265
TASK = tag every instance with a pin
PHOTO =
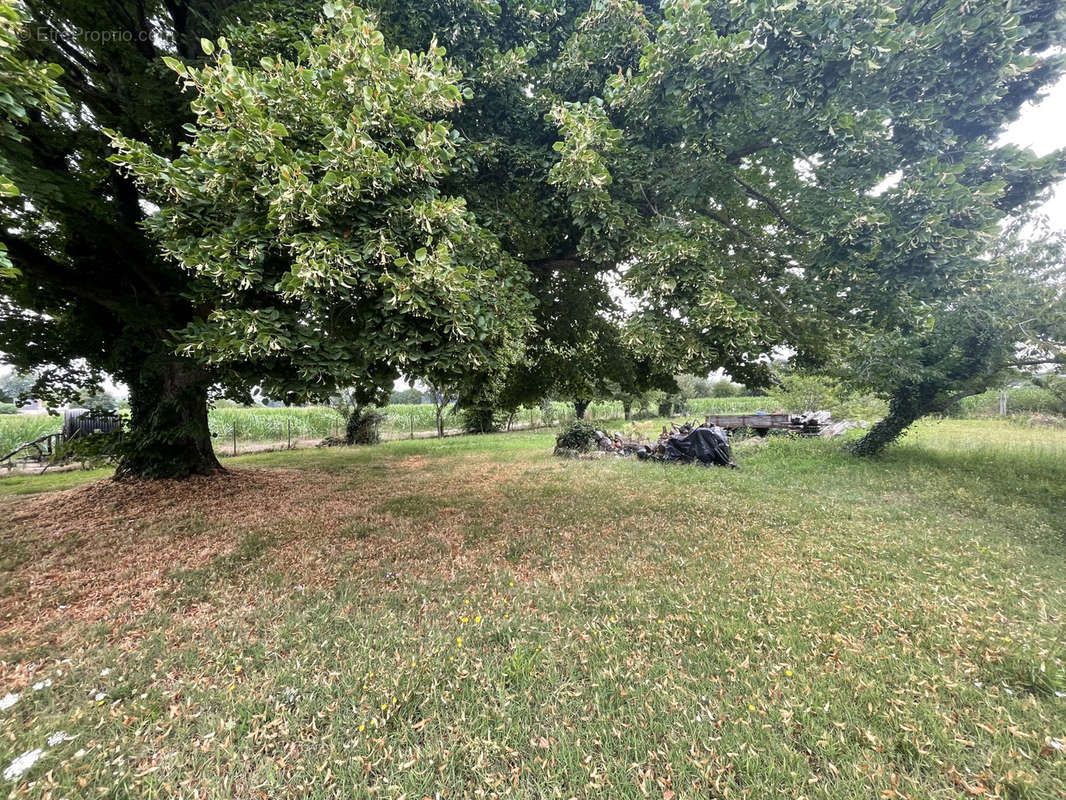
x=94, y=450
x=578, y=435
x=798, y=393
x=479, y=419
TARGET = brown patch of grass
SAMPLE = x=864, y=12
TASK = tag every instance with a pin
x=105, y=553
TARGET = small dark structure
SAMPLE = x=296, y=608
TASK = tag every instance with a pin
x=81, y=422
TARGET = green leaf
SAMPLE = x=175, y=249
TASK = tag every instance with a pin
x=174, y=64
x=207, y=46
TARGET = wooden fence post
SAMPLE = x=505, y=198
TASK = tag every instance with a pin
x=288, y=430
x=411, y=414
x=1003, y=404
x=234, y=436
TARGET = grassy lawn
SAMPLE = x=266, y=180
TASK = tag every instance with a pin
x=475, y=618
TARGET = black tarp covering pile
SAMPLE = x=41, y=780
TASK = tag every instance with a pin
x=708, y=446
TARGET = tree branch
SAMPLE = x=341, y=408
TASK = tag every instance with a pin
x=755, y=194
x=32, y=261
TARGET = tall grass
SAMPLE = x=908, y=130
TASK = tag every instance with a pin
x=18, y=428
x=1025, y=400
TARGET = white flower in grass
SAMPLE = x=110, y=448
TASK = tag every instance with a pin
x=8, y=700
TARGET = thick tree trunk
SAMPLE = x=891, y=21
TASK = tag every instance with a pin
x=906, y=407
x=362, y=426
x=580, y=406
x=884, y=432
x=169, y=436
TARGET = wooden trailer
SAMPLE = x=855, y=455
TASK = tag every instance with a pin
x=808, y=424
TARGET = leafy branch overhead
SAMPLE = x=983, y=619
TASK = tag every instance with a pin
x=29, y=86
x=307, y=207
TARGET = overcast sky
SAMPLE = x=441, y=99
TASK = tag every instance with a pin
x=1043, y=128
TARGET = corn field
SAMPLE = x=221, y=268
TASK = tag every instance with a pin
x=273, y=424
x=18, y=428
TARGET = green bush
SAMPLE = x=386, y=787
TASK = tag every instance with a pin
x=578, y=435
x=799, y=392
x=93, y=451
x=480, y=419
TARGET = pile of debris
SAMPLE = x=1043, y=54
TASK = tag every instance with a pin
x=685, y=444
x=704, y=443
x=688, y=444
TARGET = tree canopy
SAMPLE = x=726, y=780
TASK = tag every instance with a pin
x=306, y=210
x=585, y=193
x=754, y=175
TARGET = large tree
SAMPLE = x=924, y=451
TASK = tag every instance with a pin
x=92, y=292
x=1005, y=318
x=330, y=260
x=752, y=175
x=305, y=210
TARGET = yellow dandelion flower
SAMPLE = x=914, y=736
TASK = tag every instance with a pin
x=788, y=672
x=458, y=641
x=477, y=619
x=384, y=706
x=362, y=728
x=751, y=707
